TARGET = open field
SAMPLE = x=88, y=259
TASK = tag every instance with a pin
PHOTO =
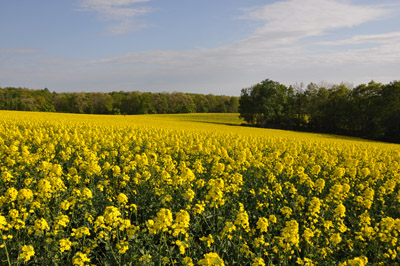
x=192, y=189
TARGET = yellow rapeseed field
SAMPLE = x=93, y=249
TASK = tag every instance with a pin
x=191, y=190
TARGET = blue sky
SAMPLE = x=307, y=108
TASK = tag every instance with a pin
x=208, y=46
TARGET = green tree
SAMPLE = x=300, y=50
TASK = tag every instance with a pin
x=366, y=110
x=335, y=111
x=390, y=102
x=264, y=104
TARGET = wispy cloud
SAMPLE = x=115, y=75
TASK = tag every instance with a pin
x=122, y=12
x=367, y=38
x=288, y=21
x=125, y=27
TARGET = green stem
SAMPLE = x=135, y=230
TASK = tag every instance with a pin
x=113, y=254
x=8, y=257
x=159, y=254
x=166, y=245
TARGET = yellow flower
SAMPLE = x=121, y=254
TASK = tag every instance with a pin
x=65, y=205
x=315, y=206
x=199, y=208
x=133, y=207
x=368, y=198
x=122, y=199
x=307, y=235
x=211, y=259
x=340, y=210
x=339, y=172
x=27, y=252
x=65, y=244
x=25, y=195
x=61, y=220
x=335, y=239
x=209, y=239
x=3, y=223
x=262, y=224
x=242, y=218
x=319, y=185
x=44, y=188
x=187, y=261
x=258, y=262
x=189, y=195
x=87, y=193
x=11, y=194
x=290, y=236
x=161, y=222
x=279, y=168
x=182, y=222
x=80, y=259
x=229, y=228
x=13, y=214
x=131, y=230
x=122, y=247
x=125, y=223
x=358, y=261
x=112, y=216
x=215, y=193
x=41, y=225
x=272, y=219
x=99, y=223
x=80, y=232
x=259, y=241
x=286, y=211
x=365, y=172
x=183, y=245
x=315, y=170
x=305, y=262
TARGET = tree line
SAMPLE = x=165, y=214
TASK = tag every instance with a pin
x=368, y=110
x=133, y=102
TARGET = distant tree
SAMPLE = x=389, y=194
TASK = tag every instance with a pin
x=211, y=103
x=100, y=103
x=247, y=108
x=62, y=103
x=160, y=103
x=390, y=111
x=233, y=105
x=316, y=99
x=264, y=104
x=201, y=103
x=336, y=109
x=79, y=102
x=179, y=102
x=121, y=102
x=366, y=110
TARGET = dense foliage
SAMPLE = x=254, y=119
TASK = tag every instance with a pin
x=151, y=190
x=23, y=99
x=369, y=110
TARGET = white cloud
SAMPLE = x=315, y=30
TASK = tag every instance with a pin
x=122, y=12
x=390, y=37
x=289, y=21
x=125, y=27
